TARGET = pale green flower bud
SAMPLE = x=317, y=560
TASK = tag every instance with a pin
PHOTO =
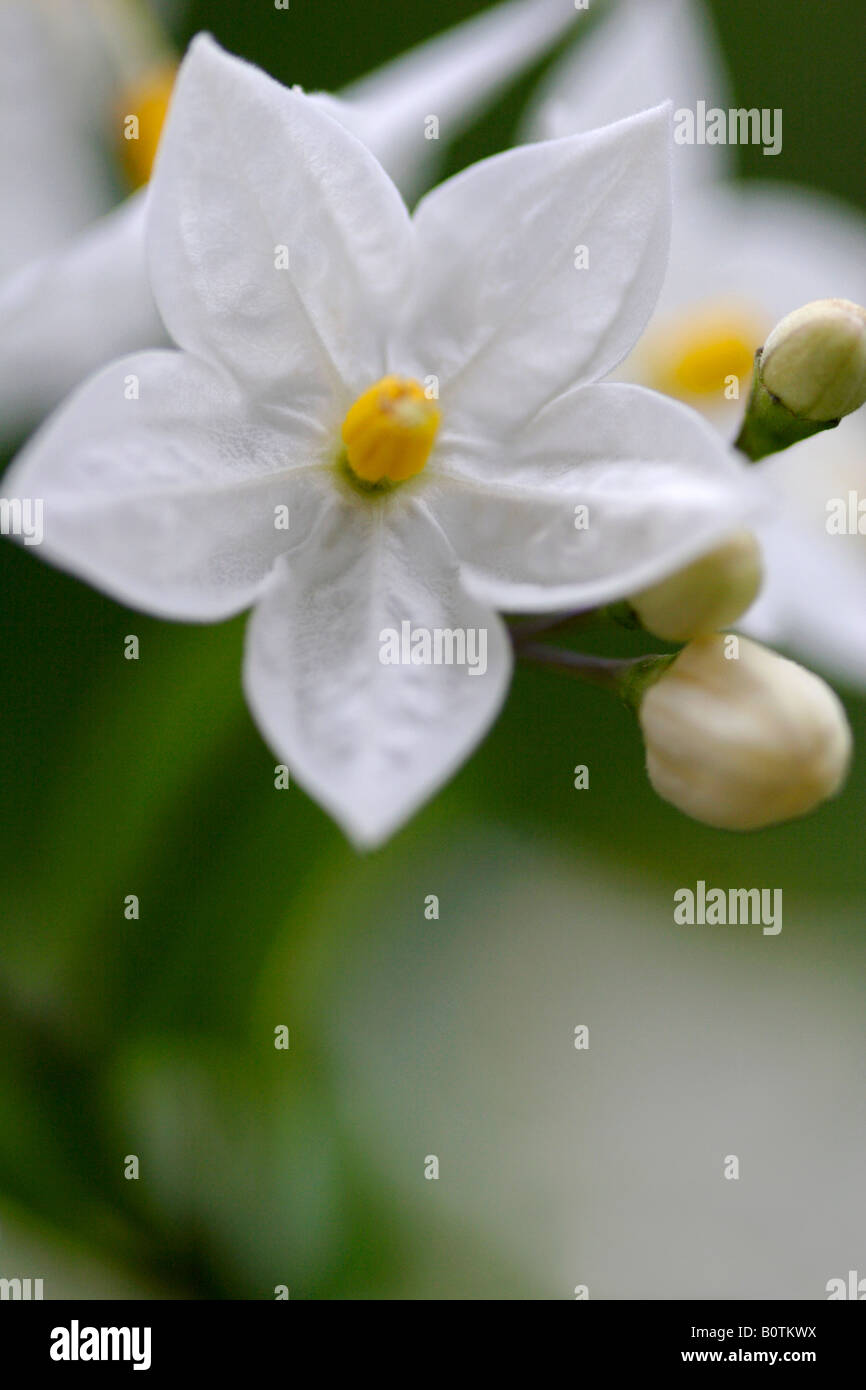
x=742, y=741
x=710, y=593
x=814, y=361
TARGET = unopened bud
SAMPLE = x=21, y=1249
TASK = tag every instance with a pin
x=709, y=594
x=814, y=361
x=742, y=741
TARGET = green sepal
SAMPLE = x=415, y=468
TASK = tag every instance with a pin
x=768, y=425
x=636, y=679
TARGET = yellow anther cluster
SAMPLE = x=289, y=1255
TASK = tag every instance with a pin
x=390, y=430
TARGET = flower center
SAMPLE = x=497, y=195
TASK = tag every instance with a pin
x=143, y=108
x=697, y=354
x=390, y=430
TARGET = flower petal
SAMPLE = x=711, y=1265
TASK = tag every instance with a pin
x=814, y=598
x=168, y=501
x=658, y=484
x=643, y=52
x=503, y=315
x=812, y=603
x=776, y=246
x=369, y=741
x=278, y=244
x=452, y=77
x=52, y=81
x=65, y=315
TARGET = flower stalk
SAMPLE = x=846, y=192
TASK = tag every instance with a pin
x=629, y=678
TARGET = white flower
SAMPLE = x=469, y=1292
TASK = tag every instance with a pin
x=742, y=256
x=87, y=298
x=310, y=309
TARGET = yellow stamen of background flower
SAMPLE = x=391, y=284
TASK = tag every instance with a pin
x=695, y=355
x=390, y=430
x=146, y=100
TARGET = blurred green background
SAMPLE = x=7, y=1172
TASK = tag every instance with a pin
x=412, y=1037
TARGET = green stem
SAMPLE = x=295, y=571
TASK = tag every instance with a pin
x=628, y=678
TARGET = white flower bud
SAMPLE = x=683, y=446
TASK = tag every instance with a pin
x=742, y=742
x=814, y=361
x=706, y=595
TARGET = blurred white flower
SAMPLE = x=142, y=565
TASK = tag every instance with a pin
x=62, y=70
x=81, y=295
x=73, y=288
x=310, y=309
x=742, y=256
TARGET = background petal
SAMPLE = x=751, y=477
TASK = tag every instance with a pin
x=452, y=76
x=167, y=502
x=502, y=314
x=70, y=312
x=53, y=80
x=369, y=741
x=642, y=53
x=814, y=597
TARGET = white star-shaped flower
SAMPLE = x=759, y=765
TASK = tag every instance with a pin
x=416, y=397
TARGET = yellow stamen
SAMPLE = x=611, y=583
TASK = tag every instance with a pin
x=695, y=356
x=143, y=108
x=390, y=430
